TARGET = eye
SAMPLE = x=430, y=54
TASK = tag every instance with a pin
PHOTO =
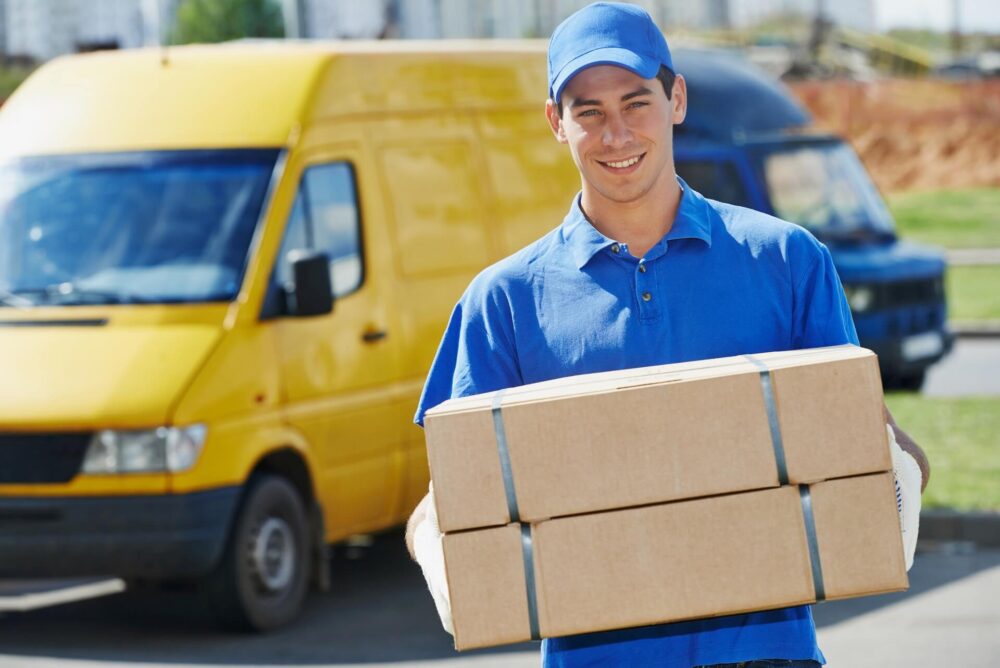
x=588, y=112
x=637, y=104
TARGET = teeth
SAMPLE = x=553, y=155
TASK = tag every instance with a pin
x=623, y=163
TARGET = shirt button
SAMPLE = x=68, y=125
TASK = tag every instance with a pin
x=615, y=248
x=646, y=296
x=642, y=269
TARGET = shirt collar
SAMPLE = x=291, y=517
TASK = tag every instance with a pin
x=693, y=221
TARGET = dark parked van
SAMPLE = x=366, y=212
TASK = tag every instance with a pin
x=746, y=141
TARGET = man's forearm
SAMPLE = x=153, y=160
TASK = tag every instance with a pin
x=908, y=445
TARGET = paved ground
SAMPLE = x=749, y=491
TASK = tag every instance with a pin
x=380, y=615
x=972, y=368
x=973, y=256
x=949, y=618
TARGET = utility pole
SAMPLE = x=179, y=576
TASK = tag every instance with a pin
x=163, y=33
x=820, y=27
x=294, y=17
x=956, y=27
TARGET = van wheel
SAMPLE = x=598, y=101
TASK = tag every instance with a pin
x=911, y=382
x=262, y=580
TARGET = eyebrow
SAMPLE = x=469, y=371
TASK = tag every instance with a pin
x=596, y=103
x=636, y=93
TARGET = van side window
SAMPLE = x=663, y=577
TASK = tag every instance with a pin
x=325, y=218
x=715, y=179
x=295, y=239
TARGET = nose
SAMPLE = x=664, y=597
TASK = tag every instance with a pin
x=616, y=131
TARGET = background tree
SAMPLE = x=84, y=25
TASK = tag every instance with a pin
x=222, y=20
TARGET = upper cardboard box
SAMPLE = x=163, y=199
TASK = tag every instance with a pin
x=639, y=436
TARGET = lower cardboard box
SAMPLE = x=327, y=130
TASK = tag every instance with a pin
x=668, y=562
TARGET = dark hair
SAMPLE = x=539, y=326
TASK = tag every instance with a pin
x=664, y=76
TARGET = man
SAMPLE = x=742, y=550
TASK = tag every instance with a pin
x=642, y=271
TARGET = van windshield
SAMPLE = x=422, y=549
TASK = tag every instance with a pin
x=137, y=227
x=824, y=187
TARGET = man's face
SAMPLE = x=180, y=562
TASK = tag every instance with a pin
x=619, y=128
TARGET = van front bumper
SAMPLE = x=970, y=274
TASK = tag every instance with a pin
x=162, y=536
x=896, y=359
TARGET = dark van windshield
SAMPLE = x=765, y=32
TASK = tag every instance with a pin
x=824, y=187
x=138, y=227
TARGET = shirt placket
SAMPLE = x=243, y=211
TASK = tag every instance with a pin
x=644, y=282
x=648, y=296
x=648, y=293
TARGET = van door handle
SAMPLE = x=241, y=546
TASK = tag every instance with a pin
x=373, y=335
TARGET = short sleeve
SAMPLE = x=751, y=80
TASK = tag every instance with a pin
x=821, y=315
x=477, y=352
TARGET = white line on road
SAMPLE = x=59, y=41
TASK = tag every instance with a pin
x=35, y=597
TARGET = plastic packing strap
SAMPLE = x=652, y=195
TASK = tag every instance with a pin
x=770, y=405
x=527, y=549
x=772, y=418
x=810, y=522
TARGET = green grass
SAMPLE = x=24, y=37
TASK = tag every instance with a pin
x=974, y=293
x=11, y=78
x=968, y=218
x=962, y=440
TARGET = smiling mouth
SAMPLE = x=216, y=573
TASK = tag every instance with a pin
x=623, y=164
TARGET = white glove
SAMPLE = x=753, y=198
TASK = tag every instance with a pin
x=429, y=550
x=908, y=480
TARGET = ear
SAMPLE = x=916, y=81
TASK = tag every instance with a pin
x=679, y=100
x=555, y=122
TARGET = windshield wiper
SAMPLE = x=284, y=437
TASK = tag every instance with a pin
x=10, y=298
x=72, y=294
x=854, y=235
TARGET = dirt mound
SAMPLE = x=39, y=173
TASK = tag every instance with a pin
x=914, y=134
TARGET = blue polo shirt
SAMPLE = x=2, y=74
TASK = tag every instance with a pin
x=724, y=281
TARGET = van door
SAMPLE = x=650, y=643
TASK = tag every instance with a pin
x=338, y=368
x=531, y=175
x=431, y=173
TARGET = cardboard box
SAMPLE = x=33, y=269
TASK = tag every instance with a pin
x=643, y=436
x=668, y=562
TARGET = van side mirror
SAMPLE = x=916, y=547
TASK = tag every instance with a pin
x=313, y=294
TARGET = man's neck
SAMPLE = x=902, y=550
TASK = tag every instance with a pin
x=640, y=223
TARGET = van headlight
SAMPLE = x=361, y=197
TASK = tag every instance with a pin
x=162, y=449
x=859, y=297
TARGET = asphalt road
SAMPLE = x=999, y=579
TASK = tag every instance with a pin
x=380, y=615
x=972, y=368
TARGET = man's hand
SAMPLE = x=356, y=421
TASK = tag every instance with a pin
x=416, y=518
x=907, y=444
x=906, y=474
x=424, y=542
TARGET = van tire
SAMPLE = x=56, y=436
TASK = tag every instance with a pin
x=909, y=382
x=262, y=581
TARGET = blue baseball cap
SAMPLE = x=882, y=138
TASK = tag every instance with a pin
x=606, y=33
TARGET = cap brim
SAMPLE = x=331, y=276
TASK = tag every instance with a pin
x=644, y=67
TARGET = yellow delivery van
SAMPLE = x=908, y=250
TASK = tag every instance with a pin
x=224, y=272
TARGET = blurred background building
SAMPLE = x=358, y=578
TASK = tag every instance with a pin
x=796, y=38
x=43, y=29
x=529, y=18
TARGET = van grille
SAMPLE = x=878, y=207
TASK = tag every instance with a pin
x=41, y=458
x=914, y=320
x=909, y=293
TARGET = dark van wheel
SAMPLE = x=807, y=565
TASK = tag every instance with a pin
x=262, y=580
x=911, y=381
